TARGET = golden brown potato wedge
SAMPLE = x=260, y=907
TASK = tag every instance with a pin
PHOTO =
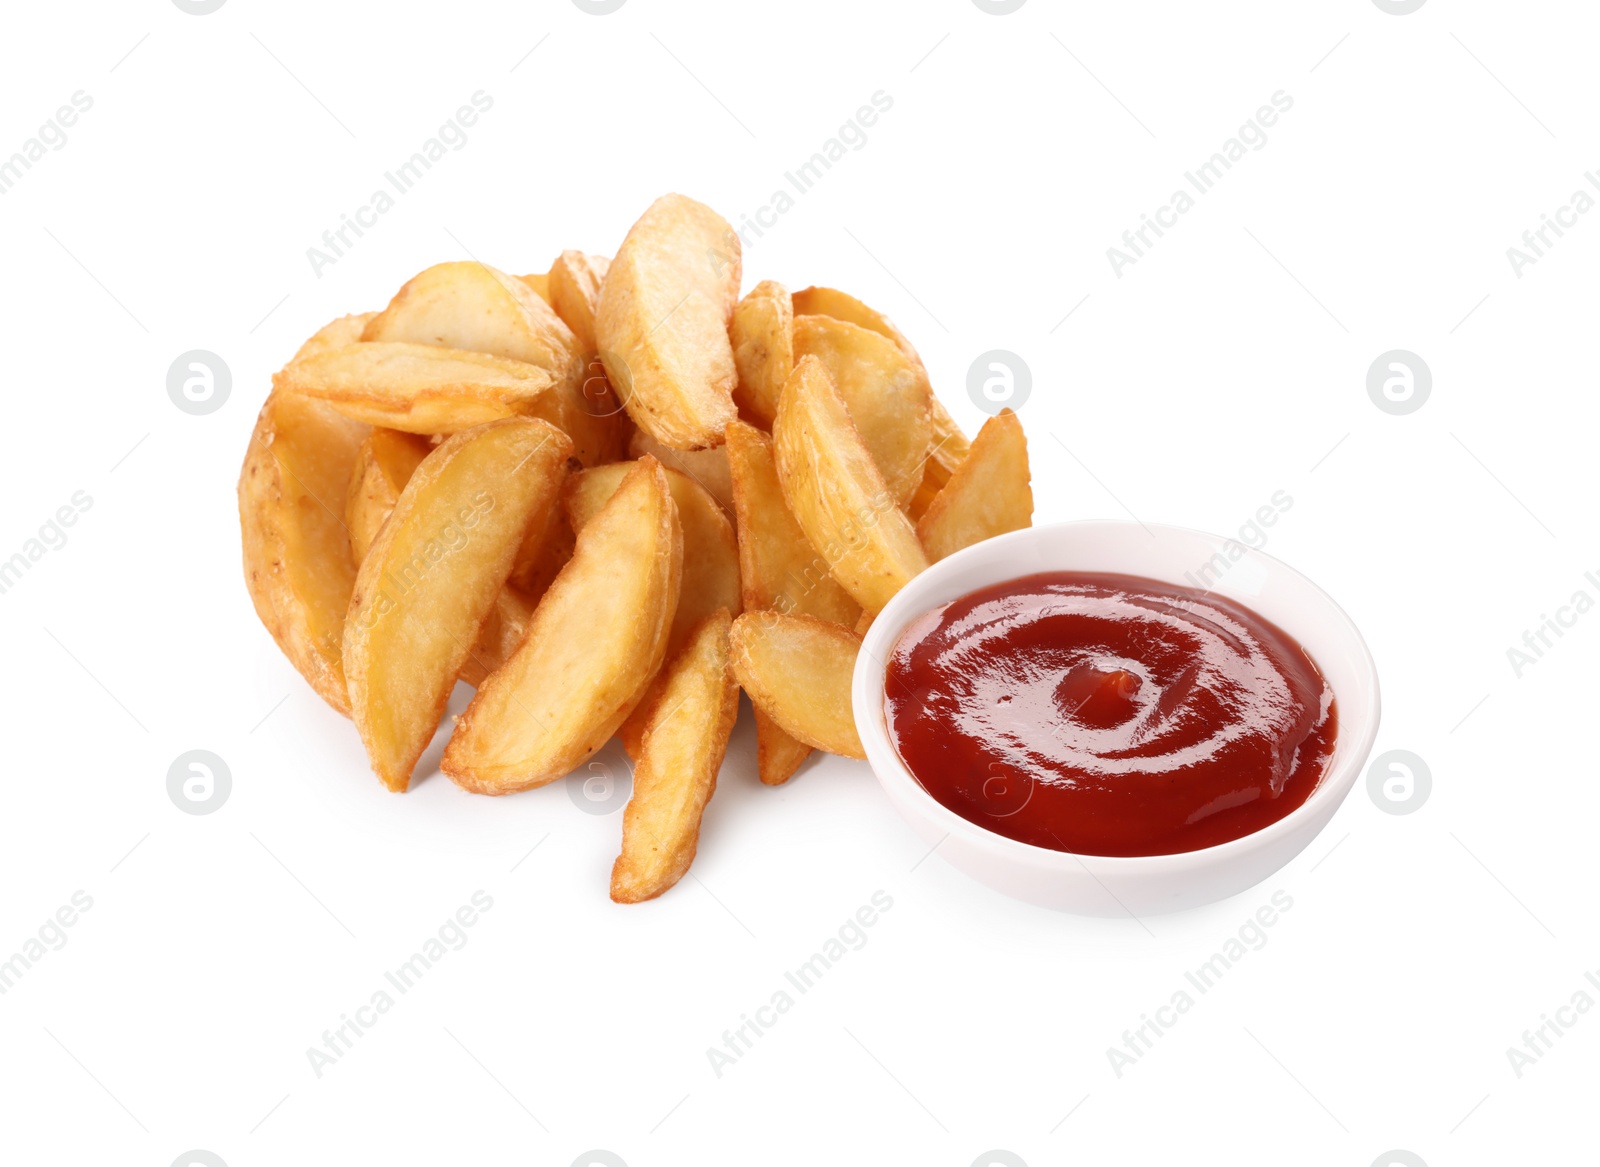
x=418, y=388
x=762, y=332
x=885, y=394
x=500, y=635
x=837, y=495
x=707, y=467
x=433, y=575
x=596, y=639
x=710, y=551
x=662, y=324
x=384, y=465
x=575, y=280
x=988, y=495
x=843, y=306
x=343, y=331
x=797, y=670
x=470, y=305
x=778, y=566
x=778, y=755
x=297, y=561
x=710, y=562
x=540, y=283
x=685, y=738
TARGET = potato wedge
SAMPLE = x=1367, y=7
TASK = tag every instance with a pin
x=433, y=575
x=419, y=388
x=500, y=635
x=710, y=563
x=384, y=465
x=710, y=551
x=707, y=467
x=778, y=755
x=685, y=739
x=297, y=561
x=778, y=567
x=843, y=306
x=797, y=670
x=343, y=331
x=988, y=495
x=662, y=324
x=470, y=305
x=837, y=495
x=762, y=332
x=574, y=282
x=540, y=283
x=597, y=638
x=886, y=397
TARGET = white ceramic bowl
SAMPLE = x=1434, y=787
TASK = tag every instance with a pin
x=1144, y=885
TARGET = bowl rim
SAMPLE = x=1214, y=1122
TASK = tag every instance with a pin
x=869, y=679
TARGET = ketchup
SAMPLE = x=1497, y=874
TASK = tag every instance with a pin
x=1108, y=714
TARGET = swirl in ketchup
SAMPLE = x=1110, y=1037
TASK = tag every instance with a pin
x=1108, y=714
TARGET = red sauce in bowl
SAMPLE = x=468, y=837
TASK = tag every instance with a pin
x=1108, y=714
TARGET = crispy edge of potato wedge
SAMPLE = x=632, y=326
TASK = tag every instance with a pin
x=296, y=550
x=837, y=495
x=685, y=739
x=662, y=323
x=384, y=464
x=540, y=283
x=418, y=388
x=989, y=494
x=798, y=670
x=762, y=332
x=432, y=577
x=886, y=395
x=595, y=641
x=778, y=755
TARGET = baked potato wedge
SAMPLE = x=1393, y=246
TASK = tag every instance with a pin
x=887, y=396
x=595, y=641
x=419, y=388
x=762, y=332
x=685, y=738
x=836, y=493
x=297, y=562
x=384, y=465
x=989, y=494
x=433, y=576
x=797, y=670
x=662, y=322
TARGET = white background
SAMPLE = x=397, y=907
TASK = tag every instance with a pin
x=1227, y=364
